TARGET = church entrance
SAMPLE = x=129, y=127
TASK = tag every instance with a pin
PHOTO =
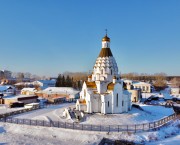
x=96, y=104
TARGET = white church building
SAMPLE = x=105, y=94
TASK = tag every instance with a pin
x=103, y=91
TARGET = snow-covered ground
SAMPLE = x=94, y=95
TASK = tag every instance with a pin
x=33, y=135
x=51, y=112
x=135, y=116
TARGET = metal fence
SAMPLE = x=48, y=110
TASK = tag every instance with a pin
x=88, y=127
x=7, y=114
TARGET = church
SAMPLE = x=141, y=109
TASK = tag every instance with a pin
x=103, y=91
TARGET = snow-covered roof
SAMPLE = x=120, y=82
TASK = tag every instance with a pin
x=29, y=89
x=47, y=81
x=60, y=90
x=18, y=96
x=141, y=83
x=6, y=87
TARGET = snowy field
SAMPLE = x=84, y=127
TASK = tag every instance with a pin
x=135, y=116
x=16, y=134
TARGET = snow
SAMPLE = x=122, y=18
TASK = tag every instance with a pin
x=17, y=96
x=5, y=109
x=173, y=141
x=63, y=90
x=34, y=135
x=51, y=112
x=135, y=116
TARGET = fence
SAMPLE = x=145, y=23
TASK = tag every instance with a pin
x=103, y=128
x=7, y=114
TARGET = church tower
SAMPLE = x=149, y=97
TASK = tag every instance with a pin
x=105, y=68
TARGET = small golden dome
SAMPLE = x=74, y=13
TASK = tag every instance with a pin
x=114, y=77
x=105, y=38
x=90, y=76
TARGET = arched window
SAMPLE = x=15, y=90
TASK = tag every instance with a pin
x=117, y=100
x=102, y=71
x=111, y=71
x=84, y=93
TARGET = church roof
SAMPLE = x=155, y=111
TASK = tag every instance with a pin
x=110, y=86
x=105, y=52
x=106, y=38
x=91, y=85
x=83, y=101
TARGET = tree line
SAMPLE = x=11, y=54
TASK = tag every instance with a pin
x=68, y=81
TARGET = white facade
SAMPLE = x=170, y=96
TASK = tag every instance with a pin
x=145, y=87
x=103, y=92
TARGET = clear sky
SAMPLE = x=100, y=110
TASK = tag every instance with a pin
x=47, y=37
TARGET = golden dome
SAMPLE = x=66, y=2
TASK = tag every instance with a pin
x=114, y=77
x=105, y=38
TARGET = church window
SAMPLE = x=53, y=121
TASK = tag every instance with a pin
x=102, y=71
x=84, y=92
x=111, y=71
x=122, y=103
x=108, y=103
x=117, y=100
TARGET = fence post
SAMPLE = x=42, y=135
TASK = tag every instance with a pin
x=118, y=128
x=91, y=126
x=127, y=128
x=30, y=121
x=73, y=125
x=100, y=127
x=135, y=128
x=109, y=128
x=65, y=125
x=82, y=126
x=43, y=122
x=154, y=124
x=149, y=126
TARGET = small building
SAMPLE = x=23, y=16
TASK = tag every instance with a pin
x=57, y=99
x=52, y=92
x=28, y=91
x=175, y=90
x=135, y=95
x=26, y=99
x=7, y=90
x=145, y=87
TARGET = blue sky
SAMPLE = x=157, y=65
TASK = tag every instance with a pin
x=47, y=37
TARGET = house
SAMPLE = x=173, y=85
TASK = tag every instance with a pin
x=53, y=92
x=19, y=98
x=145, y=87
x=7, y=90
x=103, y=91
x=28, y=91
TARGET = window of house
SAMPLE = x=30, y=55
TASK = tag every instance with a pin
x=122, y=103
x=117, y=100
x=108, y=103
